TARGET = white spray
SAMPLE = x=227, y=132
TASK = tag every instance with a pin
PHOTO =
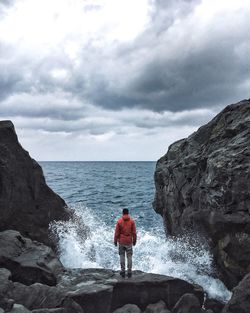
x=86, y=242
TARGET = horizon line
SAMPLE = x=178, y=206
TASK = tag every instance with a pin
x=96, y=161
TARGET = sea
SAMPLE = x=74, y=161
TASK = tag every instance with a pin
x=97, y=192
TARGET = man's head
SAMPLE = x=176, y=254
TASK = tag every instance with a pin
x=125, y=211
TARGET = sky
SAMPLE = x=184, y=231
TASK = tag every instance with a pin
x=119, y=79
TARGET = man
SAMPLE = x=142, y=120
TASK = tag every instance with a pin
x=125, y=235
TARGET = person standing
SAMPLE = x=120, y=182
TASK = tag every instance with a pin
x=125, y=235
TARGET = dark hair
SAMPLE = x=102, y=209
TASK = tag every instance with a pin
x=125, y=211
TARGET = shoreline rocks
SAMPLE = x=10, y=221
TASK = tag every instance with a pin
x=29, y=261
x=32, y=279
x=27, y=204
x=202, y=185
x=97, y=290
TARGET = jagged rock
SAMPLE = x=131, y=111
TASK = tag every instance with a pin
x=57, y=310
x=128, y=308
x=97, y=290
x=18, y=308
x=95, y=286
x=240, y=300
x=28, y=261
x=159, y=307
x=27, y=204
x=203, y=184
x=213, y=305
x=187, y=303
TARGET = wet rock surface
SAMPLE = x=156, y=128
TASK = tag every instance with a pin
x=240, y=301
x=28, y=261
x=97, y=290
x=203, y=183
x=27, y=204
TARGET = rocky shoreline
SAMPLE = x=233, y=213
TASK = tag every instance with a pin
x=32, y=278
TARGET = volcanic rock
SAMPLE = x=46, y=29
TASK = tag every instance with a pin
x=18, y=308
x=128, y=308
x=97, y=290
x=159, y=307
x=27, y=204
x=186, y=304
x=105, y=288
x=203, y=183
x=214, y=305
x=240, y=301
x=29, y=261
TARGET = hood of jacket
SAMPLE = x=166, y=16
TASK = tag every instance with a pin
x=126, y=217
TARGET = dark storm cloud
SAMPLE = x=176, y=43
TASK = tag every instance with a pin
x=176, y=64
x=208, y=70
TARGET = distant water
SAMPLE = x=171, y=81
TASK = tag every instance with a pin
x=97, y=191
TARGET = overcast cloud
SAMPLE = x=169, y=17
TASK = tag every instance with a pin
x=119, y=79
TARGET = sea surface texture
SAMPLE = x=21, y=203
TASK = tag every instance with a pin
x=97, y=191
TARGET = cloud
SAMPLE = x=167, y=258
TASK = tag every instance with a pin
x=119, y=69
x=183, y=59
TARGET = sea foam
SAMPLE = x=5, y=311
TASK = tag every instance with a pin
x=86, y=242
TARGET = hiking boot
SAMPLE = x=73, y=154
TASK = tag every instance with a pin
x=122, y=274
x=129, y=274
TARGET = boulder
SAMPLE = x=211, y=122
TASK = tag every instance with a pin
x=202, y=185
x=159, y=307
x=96, y=290
x=128, y=308
x=188, y=303
x=214, y=305
x=29, y=261
x=240, y=300
x=105, y=288
x=18, y=308
x=27, y=204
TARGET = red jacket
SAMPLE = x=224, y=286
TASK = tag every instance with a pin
x=125, y=231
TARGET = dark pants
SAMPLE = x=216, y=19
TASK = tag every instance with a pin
x=128, y=249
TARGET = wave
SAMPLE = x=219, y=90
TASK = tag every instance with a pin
x=87, y=242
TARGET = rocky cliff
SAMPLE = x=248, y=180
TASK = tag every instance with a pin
x=203, y=184
x=27, y=204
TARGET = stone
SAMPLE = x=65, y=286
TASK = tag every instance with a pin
x=97, y=290
x=28, y=261
x=159, y=307
x=202, y=185
x=128, y=308
x=240, y=300
x=56, y=310
x=27, y=204
x=4, y=280
x=212, y=304
x=188, y=303
x=18, y=308
x=107, y=289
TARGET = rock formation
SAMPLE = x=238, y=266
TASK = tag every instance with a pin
x=96, y=291
x=27, y=204
x=29, y=261
x=33, y=280
x=240, y=301
x=203, y=183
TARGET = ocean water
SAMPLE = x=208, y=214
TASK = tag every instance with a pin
x=97, y=192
